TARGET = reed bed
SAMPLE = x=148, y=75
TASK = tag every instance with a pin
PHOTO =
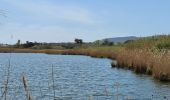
x=150, y=55
x=143, y=61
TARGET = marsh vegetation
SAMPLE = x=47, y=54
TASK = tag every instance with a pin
x=147, y=55
x=35, y=76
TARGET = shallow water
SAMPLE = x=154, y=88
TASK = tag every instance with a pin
x=76, y=78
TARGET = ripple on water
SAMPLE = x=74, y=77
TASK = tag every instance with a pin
x=77, y=78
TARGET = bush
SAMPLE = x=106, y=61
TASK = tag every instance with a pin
x=165, y=45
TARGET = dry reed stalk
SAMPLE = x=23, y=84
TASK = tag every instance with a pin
x=8, y=76
x=145, y=61
x=25, y=84
x=161, y=68
x=53, y=81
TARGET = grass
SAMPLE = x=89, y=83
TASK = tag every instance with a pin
x=149, y=55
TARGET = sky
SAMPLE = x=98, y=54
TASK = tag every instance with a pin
x=90, y=20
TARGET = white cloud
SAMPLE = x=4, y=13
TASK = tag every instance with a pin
x=38, y=33
x=50, y=22
x=49, y=11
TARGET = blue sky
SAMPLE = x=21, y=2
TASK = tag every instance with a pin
x=64, y=20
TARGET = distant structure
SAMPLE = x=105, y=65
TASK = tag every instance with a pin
x=18, y=43
x=78, y=41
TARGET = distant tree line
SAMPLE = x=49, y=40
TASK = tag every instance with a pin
x=45, y=45
x=108, y=43
x=26, y=45
x=69, y=45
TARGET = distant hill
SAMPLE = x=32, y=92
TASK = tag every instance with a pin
x=120, y=39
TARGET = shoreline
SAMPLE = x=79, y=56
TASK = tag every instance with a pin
x=121, y=63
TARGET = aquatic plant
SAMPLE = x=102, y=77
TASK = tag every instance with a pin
x=25, y=85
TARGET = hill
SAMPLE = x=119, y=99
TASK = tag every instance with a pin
x=120, y=39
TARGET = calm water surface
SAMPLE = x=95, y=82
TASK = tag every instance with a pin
x=76, y=78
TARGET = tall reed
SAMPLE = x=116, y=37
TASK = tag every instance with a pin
x=25, y=85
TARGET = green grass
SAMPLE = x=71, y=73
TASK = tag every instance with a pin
x=153, y=42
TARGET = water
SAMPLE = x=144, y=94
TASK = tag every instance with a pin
x=76, y=78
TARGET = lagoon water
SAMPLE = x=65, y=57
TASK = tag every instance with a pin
x=70, y=77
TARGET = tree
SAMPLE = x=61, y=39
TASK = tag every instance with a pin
x=18, y=43
x=107, y=42
x=128, y=41
x=78, y=41
x=28, y=44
